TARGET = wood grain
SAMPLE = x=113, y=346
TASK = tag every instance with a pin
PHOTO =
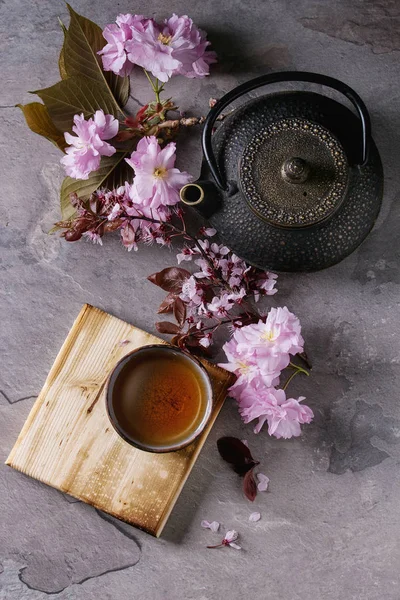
x=69, y=443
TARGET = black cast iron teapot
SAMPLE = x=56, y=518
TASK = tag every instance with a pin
x=292, y=181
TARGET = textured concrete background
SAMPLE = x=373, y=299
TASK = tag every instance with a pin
x=330, y=523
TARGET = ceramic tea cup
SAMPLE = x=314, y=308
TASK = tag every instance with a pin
x=159, y=398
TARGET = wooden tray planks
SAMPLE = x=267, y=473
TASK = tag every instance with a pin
x=68, y=442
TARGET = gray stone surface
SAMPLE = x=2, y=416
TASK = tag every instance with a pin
x=330, y=522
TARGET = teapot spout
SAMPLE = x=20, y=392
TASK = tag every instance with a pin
x=203, y=196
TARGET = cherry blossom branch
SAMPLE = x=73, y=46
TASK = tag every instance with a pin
x=188, y=236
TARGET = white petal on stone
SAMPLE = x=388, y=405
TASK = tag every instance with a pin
x=214, y=526
x=255, y=516
x=263, y=482
x=236, y=546
x=123, y=343
x=245, y=442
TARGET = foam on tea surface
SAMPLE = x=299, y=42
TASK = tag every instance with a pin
x=160, y=397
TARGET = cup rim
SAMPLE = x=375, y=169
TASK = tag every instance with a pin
x=124, y=434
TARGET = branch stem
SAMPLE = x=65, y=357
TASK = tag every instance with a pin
x=298, y=368
x=295, y=372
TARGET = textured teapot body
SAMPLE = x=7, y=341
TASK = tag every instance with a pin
x=297, y=179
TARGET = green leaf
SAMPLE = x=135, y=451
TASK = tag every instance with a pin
x=113, y=172
x=61, y=60
x=76, y=95
x=39, y=121
x=61, y=65
x=82, y=42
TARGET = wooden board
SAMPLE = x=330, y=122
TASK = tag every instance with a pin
x=69, y=443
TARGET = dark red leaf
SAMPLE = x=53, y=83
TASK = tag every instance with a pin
x=193, y=329
x=123, y=136
x=250, y=486
x=180, y=311
x=153, y=278
x=182, y=342
x=192, y=341
x=167, y=305
x=72, y=235
x=170, y=279
x=167, y=327
x=192, y=345
x=237, y=454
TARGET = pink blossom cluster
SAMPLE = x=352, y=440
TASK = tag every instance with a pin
x=220, y=267
x=88, y=144
x=257, y=354
x=174, y=47
x=139, y=209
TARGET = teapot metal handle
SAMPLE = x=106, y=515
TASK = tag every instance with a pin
x=276, y=78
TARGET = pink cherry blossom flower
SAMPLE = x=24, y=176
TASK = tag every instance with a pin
x=243, y=365
x=114, y=54
x=185, y=254
x=191, y=292
x=286, y=421
x=238, y=296
x=220, y=305
x=266, y=282
x=229, y=540
x=88, y=145
x=152, y=49
x=270, y=367
x=157, y=182
x=218, y=250
x=175, y=47
x=244, y=361
x=214, y=525
x=254, y=517
x=190, y=47
x=281, y=333
x=106, y=125
x=263, y=482
x=269, y=404
x=205, y=269
x=128, y=235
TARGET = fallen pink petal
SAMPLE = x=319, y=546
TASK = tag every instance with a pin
x=254, y=517
x=263, y=482
x=214, y=525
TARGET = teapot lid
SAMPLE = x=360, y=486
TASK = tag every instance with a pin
x=294, y=173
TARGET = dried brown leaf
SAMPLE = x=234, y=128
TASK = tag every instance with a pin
x=170, y=279
x=250, y=486
x=167, y=305
x=179, y=308
x=167, y=327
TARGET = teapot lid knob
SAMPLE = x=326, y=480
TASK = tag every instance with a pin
x=295, y=170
